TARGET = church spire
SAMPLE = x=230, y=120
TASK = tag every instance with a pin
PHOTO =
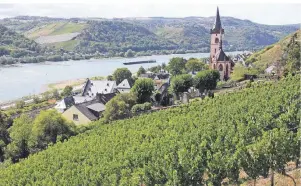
x=217, y=23
x=221, y=40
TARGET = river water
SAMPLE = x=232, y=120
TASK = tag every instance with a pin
x=29, y=79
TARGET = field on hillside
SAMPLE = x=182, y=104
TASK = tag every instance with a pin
x=203, y=142
x=55, y=29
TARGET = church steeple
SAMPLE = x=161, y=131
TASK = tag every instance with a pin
x=217, y=27
x=221, y=40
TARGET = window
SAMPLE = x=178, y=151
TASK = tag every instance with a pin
x=107, y=84
x=216, y=40
x=215, y=50
x=105, y=90
x=90, y=89
x=91, y=84
x=75, y=117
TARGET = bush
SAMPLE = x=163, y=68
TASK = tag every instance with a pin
x=141, y=107
x=20, y=104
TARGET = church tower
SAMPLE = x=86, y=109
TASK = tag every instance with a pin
x=216, y=34
x=218, y=59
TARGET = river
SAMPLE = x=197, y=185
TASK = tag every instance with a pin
x=29, y=79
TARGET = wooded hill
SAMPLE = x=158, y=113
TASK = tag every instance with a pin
x=113, y=36
x=285, y=54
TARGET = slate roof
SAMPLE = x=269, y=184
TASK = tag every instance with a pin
x=97, y=104
x=98, y=107
x=85, y=111
x=217, y=27
x=91, y=88
x=124, y=85
x=65, y=103
x=221, y=56
x=81, y=99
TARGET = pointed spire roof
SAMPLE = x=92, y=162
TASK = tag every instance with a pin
x=221, y=41
x=217, y=27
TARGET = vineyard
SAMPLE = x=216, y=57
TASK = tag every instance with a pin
x=204, y=142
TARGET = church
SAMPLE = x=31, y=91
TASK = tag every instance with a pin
x=218, y=59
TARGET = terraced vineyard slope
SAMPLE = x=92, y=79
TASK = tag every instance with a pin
x=252, y=130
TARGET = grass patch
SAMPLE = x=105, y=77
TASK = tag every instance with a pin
x=66, y=45
x=69, y=28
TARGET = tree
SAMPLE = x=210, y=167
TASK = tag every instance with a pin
x=293, y=55
x=4, y=135
x=176, y=65
x=143, y=88
x=49, y=127
x=110, y=78
x=20, y=104
x=67, y=91
x=129, y=53
x=181, y=83
x=206, y=79
x=55, y=93
x=122, y=73
x=119, y=106
x=194, y=65
x=141, y=71
x=20, y=134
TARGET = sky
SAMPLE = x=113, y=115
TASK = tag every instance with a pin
x=270, y=12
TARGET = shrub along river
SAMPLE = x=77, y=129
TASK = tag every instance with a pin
x=29, y=79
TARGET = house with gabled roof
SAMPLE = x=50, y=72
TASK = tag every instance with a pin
x=91, y=88
x=84, y=113
x=124, y=86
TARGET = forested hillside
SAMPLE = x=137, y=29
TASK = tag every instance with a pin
x=204, y=142
x=169, y=35
x=105, y=36
x=14, y=45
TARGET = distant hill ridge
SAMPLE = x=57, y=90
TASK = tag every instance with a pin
x=149, y=33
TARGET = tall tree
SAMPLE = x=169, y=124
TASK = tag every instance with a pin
x=206, y=79
x=181, y=83
x=141, y=70
x=49, y=127
x=4, y=135
x=122, y=73
x=129, y=53
x=67, y=91
x=143, y=88
x=176, y=65
x=194, y=65
x=119, y=106
x=20, y=134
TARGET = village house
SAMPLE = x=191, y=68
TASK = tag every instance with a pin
x=90, y=90
x=84, y=113
x=124, y=86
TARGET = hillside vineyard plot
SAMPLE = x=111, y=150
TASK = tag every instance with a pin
x=214, y=137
